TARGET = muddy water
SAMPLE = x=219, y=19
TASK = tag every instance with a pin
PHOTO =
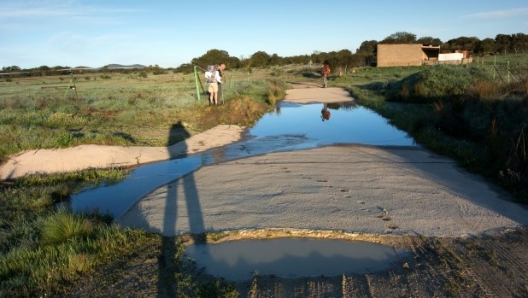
x=289, y=127
x=291, y=257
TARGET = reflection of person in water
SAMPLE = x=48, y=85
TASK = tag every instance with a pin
x=325, y=113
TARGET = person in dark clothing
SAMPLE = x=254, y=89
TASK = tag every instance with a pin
x=221, y=74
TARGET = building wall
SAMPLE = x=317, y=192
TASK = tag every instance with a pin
x=450, y=57
x=400, y=55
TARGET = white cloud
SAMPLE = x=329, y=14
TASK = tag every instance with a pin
x=499, y=14
x=47, y=9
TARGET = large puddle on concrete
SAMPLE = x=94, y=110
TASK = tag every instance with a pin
x=291, y=258
x=289, y=127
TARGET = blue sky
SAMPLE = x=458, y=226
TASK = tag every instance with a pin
x=169, y=33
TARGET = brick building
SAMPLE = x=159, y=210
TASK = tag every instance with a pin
x=407, y=54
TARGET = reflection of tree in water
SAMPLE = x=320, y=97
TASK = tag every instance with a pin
x=347, y=105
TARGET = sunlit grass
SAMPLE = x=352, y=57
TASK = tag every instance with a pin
x=461, y=112
x=122, y=109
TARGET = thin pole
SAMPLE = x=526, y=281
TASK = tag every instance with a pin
x=196, y=82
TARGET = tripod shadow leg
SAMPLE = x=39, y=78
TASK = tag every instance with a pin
x=167, y=281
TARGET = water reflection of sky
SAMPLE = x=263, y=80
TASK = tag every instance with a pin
x=347, y=124
x=289, y=127
x=291, y=257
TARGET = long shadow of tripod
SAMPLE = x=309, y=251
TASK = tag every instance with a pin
x=167, y=281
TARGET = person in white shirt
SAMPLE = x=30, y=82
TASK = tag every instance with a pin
x=213, y=78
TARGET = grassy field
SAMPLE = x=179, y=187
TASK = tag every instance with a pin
x=130, y=109
x=45, y=250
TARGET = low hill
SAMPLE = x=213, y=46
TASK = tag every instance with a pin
x=120, y=66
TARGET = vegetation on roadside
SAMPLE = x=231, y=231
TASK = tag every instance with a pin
x=465, y=112
x=462, y=112
x=46, y=249
x=124, y=112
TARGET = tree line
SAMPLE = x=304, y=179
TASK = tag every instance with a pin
x=365, y=55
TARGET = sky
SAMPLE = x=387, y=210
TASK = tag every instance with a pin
x=95, y=33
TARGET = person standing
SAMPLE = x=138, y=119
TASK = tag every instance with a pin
x=221, y=74
x=325, y=72
x=213, y=79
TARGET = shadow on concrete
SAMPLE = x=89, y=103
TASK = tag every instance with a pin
x=167, y=281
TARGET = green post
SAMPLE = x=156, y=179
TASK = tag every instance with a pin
x=196, y=82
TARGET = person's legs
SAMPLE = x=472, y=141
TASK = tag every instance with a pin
x=215, y=93
x=219, y=93
x=211, y=91
x=324, y=82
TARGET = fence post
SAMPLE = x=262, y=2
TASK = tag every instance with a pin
x=196, y=82
x=508, y=70
x=494, y=65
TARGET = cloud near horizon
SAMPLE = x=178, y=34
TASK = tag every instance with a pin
x=499, y=14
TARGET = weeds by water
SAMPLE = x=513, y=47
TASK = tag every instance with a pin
x=44, y=248
x=123, y=110
x=46, y=251
x=463, y=113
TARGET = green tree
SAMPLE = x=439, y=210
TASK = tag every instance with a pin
x=366, y=54
x=211, y=57
x=503, y=43
x=275, y=60
x=485, y=46
x=519, y=42
x=259, y=59
x=400, y=38
x=428, y=40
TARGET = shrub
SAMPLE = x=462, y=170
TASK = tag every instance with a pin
x=64, y=225
x=438, y=82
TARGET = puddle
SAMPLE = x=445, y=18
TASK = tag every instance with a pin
x=347, y=124
x=289, y=127
x=291, y=258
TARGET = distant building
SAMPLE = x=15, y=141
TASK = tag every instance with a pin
x=417, y=54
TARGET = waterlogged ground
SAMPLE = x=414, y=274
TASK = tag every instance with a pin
x=433, y=267
x=480, y=266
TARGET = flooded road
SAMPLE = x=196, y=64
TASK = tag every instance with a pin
x=291, y=126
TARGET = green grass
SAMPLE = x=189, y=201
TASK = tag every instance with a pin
x=463, y=113
x=46, y=251
x=124, y=109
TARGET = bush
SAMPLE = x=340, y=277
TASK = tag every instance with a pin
x=63, y=226
x=438, y=82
